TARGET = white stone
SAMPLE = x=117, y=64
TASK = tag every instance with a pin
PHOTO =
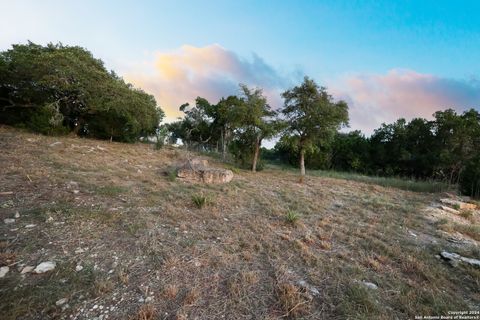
x=29, y=226
x=17, y=215
x=45, y=267
x=61, y=302
x=8, y=221
x=370, y=285
x=454, y=258
x=27, y=269
x=4, y=271
x=78, y=268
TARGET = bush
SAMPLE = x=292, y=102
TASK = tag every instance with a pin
x=469, y=181
x=47, y=120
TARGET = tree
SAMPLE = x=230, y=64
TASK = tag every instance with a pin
x=350, y=152
x=312, y=117
x=226, y=118
x=255, y=122
x=57, y=88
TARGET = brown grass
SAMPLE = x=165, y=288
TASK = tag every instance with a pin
x=146, y=312
x=141, y=237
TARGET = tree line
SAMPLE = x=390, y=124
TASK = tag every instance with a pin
x=307, y=128
x=57, y=89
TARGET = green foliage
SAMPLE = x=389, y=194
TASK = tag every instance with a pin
x=292, y=216
x=172, y=174
x=161, y=135
x=312, y=117
x=470, y=178
x=200, y=200
x=55, y=88
x=47, y=120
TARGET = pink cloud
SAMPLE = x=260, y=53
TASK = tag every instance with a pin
x=374, y=98
x=211, y=72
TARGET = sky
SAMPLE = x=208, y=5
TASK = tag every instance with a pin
x=387, y=59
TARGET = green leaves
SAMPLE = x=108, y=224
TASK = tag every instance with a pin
x=91, y=100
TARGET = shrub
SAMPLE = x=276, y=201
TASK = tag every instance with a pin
x=469, y=181
x=200, y=200
x=172, y=174
x=292, y=216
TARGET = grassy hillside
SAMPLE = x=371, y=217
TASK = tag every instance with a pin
x=130, y=243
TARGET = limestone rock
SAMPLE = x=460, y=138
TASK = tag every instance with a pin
x=197, y=170
x=27, y=269
x=4, y=271
x=9, y=221
x=455, y=258
x=448, y=209
x=45, y=267
x=61, y=302
x=458, y=204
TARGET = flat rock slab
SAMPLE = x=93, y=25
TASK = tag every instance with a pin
x=458, y=204
x=454, y=258
x=197, y=170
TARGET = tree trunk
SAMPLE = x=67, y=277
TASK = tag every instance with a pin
x=302, y=164
x=222, y=135
x=255, y=155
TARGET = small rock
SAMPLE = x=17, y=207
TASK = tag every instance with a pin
x=61, y=302
x=8, y=221
x=4, y=271
x=78, y=268
x=17, y=215
x=49, y=219
x=55, y=143
x=338, y=204
x=79, y=250
x=149, y=299
x=45, y=267
x=30, y=226
x=27, y=269
x=448, y=209
x=412, y=234
x=76, y=191
x=369, y=285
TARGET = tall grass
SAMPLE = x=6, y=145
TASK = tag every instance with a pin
x=429, y=186
x=393, y=182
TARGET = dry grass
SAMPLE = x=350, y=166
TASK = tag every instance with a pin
x=110, y=208
x=146, y=312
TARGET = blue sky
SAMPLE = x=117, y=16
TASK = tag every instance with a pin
x=385, y=58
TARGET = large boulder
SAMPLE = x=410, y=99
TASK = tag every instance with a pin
x=198, y=170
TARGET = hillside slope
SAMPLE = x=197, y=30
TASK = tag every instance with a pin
x=129, y=243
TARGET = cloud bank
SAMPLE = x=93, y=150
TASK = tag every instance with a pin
x=210, y=72
x=213, y=72
x=377, y=98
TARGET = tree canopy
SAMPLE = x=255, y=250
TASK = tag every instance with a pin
x=312, y=117
x=57, y=89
